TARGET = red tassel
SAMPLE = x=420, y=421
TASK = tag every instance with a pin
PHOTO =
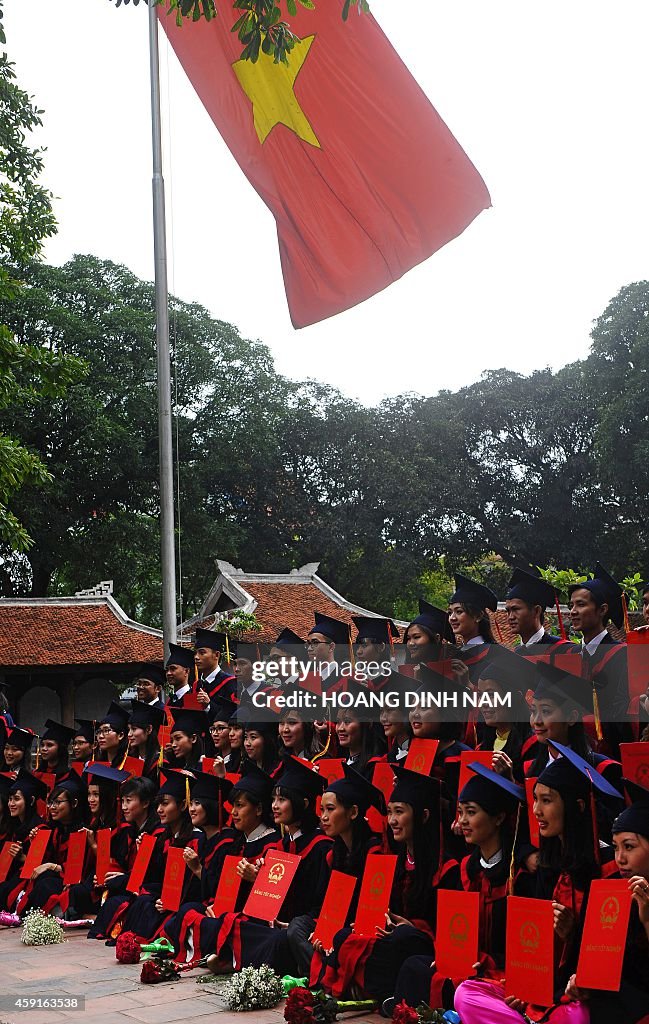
x=562, y=628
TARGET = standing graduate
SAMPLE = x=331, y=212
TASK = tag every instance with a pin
x=187, y=737
x=84, y=741
x=149, y=685
x=180, y=671
x=214, y=655
x=326, y=639
x=17, y=750
x=429, y=636
x=143, y=724
x=112, y=735
x=525, y=603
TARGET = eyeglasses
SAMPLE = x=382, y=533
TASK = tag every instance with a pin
x=314, y=643
x=57, y=803
x=219, y=728
x=105, y=731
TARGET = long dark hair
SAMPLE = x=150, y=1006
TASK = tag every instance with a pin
x=484, y=622
x=106, y=817
x=419, y=896
x=577, y=741
x=371, y=744
x=575, y=855
x=266, y=806
x=352, y=861
x=270, y=756
x=214, y=815
x=311, y=745
x=305, y=816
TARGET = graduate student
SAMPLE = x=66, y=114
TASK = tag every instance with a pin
x=428, y=635
x=468, y=616
x=214, y=655
x=53, y=750
x=17, y=750
x=112, y=735
x=526, y=600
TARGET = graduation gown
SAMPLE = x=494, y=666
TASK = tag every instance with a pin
x=608, y=670
x=118, y=898
x=141, y=917
x=12, y=884
x=47, y=891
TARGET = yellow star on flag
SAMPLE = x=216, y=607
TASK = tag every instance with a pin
x=270, y=89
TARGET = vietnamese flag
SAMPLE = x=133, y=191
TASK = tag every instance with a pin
x=363, y=177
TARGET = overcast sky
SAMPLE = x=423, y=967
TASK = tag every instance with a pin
x=549, y=99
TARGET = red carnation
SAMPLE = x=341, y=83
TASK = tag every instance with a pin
x=128, y=948
x=299, y=1006
x=151, y=973
x=404, y=1014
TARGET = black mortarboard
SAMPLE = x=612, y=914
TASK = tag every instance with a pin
x=106, y=771
x=356, y=789
x=634, y=818
x=220, y=709
x=469, y=592
x=145, y=714
x=255, y=782
x=182, y=656
x=57, y=732
x=531, y=589
x=379, y=631
x=287, y=638
x=152, y=673
x=332, y=629
x=116, y=717
x=572, y=772
x=510, y=671
x=605, y=590
x=415, y=789
x=87, y=729
x=441, y=687
x=178, y=784
x=5, y=785
x=21, y=738
x=216, y=641
x=297, y=776
x=434, y=620
x=263, y=720
x=29, y=785
x=210, y=787
x=188, y=721
x=562, y=687
x=73, y=786
x=493, y=792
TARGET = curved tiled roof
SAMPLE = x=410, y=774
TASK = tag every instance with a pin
x=72, y=631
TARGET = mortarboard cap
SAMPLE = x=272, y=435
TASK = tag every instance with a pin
x=145, y=714
x=434, y=620
x=182, y=656
x=216, y=641
x=6, y=783
x=354, y=788
x=210, y=787
x=188, y=721
x=153, y=673
x=510, y=671
x=415, y=789
x=29, y=785
x=469, y=592
x=178, y=784
x=116, y=717
x=287, y=638
x=87, y=729
x=21, y=738
x=531, y=589
x=562, y=687
x=106, y=771
x=605, y=590
x=57, y=732
x=73, y=786
x=297, y=776
x=255, y=782
x=572, y=772
x=493, y=792
x=379, y=631
x=332, y=629
x=634, y=818
x=221, y=709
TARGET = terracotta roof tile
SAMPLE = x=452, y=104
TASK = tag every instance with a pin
x=71, y=634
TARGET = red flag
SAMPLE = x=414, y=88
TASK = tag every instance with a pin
x=363, y=177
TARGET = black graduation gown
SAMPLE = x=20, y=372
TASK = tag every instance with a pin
x=142, y=918
x=118, y=898
x=47, y=891
x=12, y=884
x=477, y=657
x=608, y=669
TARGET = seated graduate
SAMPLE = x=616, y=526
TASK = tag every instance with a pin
x=570, y=858
x=489, y=807
x=372, y=964
x=187, y=737
x=21, y=796
x=629, y=1005
x=16, y=753
x=195, y=931
x=506, y=729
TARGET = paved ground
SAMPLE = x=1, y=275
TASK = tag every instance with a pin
x=113, y=994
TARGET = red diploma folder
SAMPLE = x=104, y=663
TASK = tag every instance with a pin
x=36, y=852
x=335, y=906
x=383, y=779
x=228, y=887
x=172, y=883
x=637, y=653
x=133, y=765
x=375, y=893
x=191, y=701
x=331, y=768
x=467, y=757
x=272, y=884
x=142, y=859
x=635, y=762
x=49, y=778
x=73, y=870
x=456, y=938
x=420, y=756
x=603, y=939
x=529, y=951
x=533, y=823
x=103, y=854
x=6, y=860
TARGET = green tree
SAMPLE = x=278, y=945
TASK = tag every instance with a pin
x=27, y=371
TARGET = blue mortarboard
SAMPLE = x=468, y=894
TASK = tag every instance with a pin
x=434, y=620
x=332, y=629
x=572, y=772
x=379, y=631
x=531, y=589
x=106, y=771
x=182, y=656
x=469, y=592
x=493, y=792
x=605, y=590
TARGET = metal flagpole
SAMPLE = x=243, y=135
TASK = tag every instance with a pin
x=167, y=545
